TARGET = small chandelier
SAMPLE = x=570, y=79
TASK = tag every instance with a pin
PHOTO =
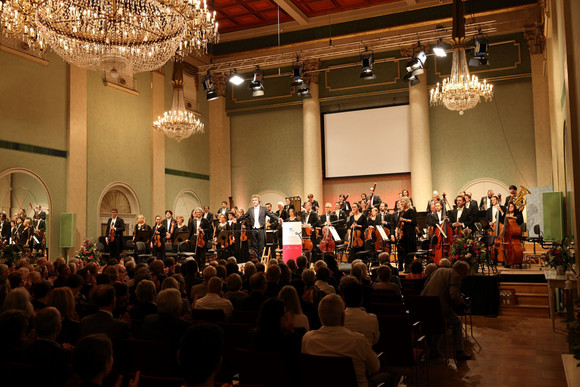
x=460, y=91
x=178, y=123
x=127, y=36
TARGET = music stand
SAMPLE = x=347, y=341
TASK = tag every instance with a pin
x=143, y=236
x=180, y=237
x=223, y=236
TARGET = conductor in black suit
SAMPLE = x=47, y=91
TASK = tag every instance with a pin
x=256, y=221
x=118, y=225
x=461, y=216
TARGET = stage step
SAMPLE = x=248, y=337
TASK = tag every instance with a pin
x=531, y=300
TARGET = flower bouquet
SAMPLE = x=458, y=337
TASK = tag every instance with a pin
x=89, y=252
x=559, y=256
x=467, y=248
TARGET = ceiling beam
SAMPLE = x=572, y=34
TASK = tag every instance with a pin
x=293, y=11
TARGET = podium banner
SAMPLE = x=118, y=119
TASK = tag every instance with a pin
x=291, y=240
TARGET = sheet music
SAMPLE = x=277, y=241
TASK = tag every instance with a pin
x=382, y=232
x=334, y=233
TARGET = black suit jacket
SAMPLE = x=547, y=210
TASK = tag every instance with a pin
x=311, y=219
x=483, y=202
x=261, y=217
x=323, y=218
x=205, y=225
x=119, y=227
x=208, y=216
x=222, y=211
x=466, y=217
x=103, y=322
x=5, y=230
x=489, y=215
x=376, y=201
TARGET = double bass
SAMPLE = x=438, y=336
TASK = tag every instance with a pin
x=444, y=235
x=513, y=248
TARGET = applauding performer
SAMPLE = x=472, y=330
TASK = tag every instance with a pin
x=256, y=220
x=114, y=234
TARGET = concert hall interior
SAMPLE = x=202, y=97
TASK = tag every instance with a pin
x=81, y=142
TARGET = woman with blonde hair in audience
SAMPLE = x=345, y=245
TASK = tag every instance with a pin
x=63, y=299
x=19, y=299
x=289, y=296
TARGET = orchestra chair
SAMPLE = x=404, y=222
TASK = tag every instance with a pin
x=156, y=381
x=129, y=247
x=208, y=315
x=169, y=252
x=427, y=310
x=185, y=251
x=101, y=249
x=340, y=251
x=141, y=254
x=539, y=238
x=152, y=358
x=402, y=352
x=235, y=336
x=257, y=367
x=339, y=371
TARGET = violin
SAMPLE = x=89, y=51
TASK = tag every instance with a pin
x=243, y=234
x=157, y=240
x=200, y=239
x=327, y=244
x=307, y=241
x=112, y=234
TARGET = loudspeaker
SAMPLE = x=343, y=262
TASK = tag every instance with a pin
x=67, y=229
x=553, y=215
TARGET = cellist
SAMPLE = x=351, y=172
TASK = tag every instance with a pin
x=495, y=213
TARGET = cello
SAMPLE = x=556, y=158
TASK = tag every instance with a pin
x=444, y=235
x=327, y=243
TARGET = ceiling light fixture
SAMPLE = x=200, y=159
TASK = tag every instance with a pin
x=209, y=88
x=368, y=60
x=256, y=86
x=297, y=73
x=439, y=49
x=415, y=66
x=480, y=48
x=178, y=123
x=235, y=78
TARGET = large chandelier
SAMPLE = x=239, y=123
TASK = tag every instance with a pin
x=460, y=91
x=128, y=36
x=178, y=123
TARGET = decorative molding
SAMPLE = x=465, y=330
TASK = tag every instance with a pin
x=124, y=82
x=40, y=150
x=220, y=81
x=191, y=175
x=311, y=67
x=22, y=50
x=536, y=39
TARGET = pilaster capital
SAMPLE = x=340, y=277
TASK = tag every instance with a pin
x=220, y=81
x=311, y=67
x=536, y=39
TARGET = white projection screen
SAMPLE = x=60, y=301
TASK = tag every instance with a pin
x=367, y=142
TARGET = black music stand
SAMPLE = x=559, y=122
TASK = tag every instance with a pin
x=180, y=237
x=143, y=236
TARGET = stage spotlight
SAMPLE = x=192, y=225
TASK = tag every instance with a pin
x=439, y=48
x=415, y=66
x=297, y=73
x=304, y=90
x=256, y=86
x=209, y=88
x=480, y=50
x=235, y=78
x=367, y=59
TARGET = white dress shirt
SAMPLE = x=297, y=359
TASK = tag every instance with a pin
x=341, y=341
x=214, y=301
x=257, y=217
x=358, y=320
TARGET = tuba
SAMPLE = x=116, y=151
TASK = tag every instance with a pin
x=520, y=199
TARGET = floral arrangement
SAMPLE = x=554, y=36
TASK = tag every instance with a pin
x=89, y=252
x=559, y=255
x=467, y=248
x=10, y=253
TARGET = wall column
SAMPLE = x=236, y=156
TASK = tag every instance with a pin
x=542, y=135
x=76, y=196
x=420, y=143
x=311, y=137
x=220, y=170
x=157, y=146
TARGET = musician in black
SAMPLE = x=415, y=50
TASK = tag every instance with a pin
x=314, y=203
x=281, y=212
x=344, y=204
x=169, y=224
x=39, y=232
x=256, y=221
x=223, y=210
x=356, y=222
x=374, y=200
x=408, y=241
x=199, y=227
x=158, y=237
x=4, y=227
x=328, y=218
x=495, y=213
x=513, y=193
x=461, y=217
x=117, y=225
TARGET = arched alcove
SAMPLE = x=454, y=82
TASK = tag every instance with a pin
x=270, y=196
x=23, y=188
x=185, y=202
x=121, y=196
x=479, y=188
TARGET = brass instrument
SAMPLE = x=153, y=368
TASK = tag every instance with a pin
x=520, y=200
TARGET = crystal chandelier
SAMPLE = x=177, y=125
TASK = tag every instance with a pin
x=460, y=91
x=128, y=36
x=178, y=123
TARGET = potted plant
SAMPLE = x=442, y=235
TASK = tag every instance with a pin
x=560, y=257
x=467, y=248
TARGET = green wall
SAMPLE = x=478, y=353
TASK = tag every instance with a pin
x=119, y=142
x=266, y=152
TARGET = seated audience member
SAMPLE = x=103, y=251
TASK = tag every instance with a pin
x=213, y=299
x=322, y=277
x=445, y=263
x=190, y=273
x=234, y=290
x=445, y=283
x=256, y=296
x=39, y=292
x=103, y=321
x=384, y=280
x=289, y=296
x=45, y=350
x=416, y=270
x=301, y=263
x=166, y=324
x=312, y=294
x=63, y=299
x=273, y=273
x=93, y=360
x=146, y=294
x=355, y=317
x=249, y=271
x=173, y=283
x=199, y=290
x=199, y=367
x=333, y=339
x=14, y=326
x=19, y=299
